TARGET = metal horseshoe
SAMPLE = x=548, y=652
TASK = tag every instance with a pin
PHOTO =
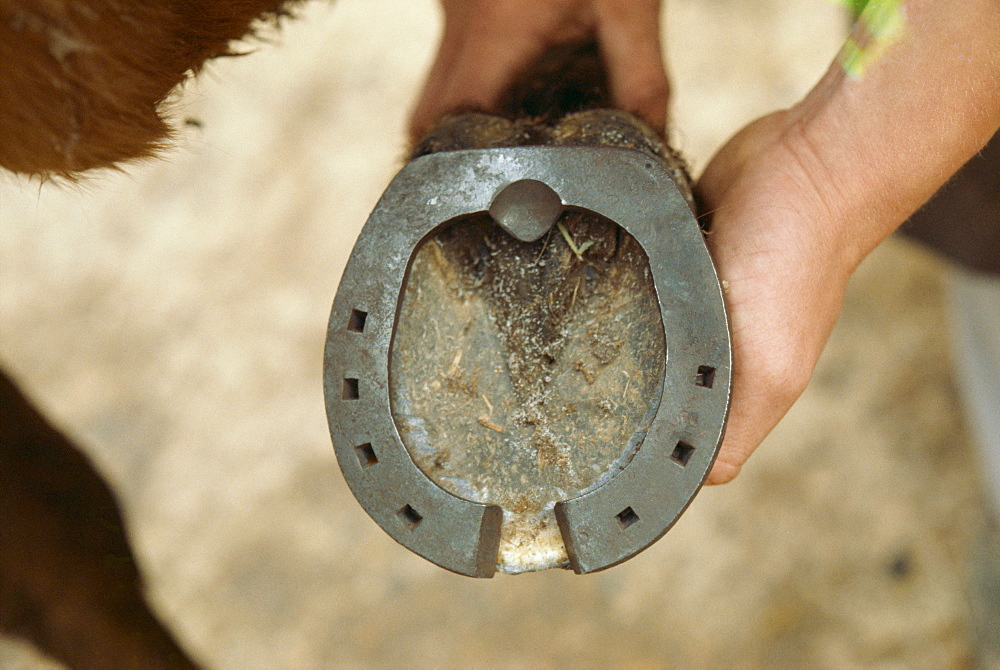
x=525, y=189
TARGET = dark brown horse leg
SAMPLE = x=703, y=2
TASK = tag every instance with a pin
x=68, y=579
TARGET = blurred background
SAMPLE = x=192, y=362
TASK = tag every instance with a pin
x=171, y=318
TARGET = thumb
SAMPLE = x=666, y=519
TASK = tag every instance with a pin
x=629, y=34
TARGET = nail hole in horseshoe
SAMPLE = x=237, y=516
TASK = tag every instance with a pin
x=682, y=453
x=705, y=376
x=626, y=517
x=366, y=455
x=356, y=322
x=409, y=516
x=351, y=391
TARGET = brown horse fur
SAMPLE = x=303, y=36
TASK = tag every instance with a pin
x=68, y=579
x=83, y=85
x=83, y=82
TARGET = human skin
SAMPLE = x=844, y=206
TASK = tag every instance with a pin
x=797, y=198
x=486, y=44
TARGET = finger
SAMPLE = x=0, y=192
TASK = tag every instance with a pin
x=506, y=39
x=425, y=111
x=629, y=34
x=763, y=390
x=484, y=55
x=774, y=354
x=783, y=301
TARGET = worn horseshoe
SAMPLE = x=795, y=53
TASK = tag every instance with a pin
x=525, y=189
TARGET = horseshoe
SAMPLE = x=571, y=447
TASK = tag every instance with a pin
x=525, y=190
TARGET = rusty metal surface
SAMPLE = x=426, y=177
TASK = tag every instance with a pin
x=638, y=502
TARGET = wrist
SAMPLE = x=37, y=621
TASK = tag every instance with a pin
x=878, y=145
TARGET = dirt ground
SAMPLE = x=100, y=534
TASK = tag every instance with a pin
x=172, y=318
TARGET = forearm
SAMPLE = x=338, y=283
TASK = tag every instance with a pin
x=879, y=144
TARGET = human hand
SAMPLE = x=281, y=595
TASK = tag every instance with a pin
x=487, y=44
x=799, y=198
x=783, y=274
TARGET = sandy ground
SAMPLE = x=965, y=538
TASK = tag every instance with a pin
x=172, y=318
